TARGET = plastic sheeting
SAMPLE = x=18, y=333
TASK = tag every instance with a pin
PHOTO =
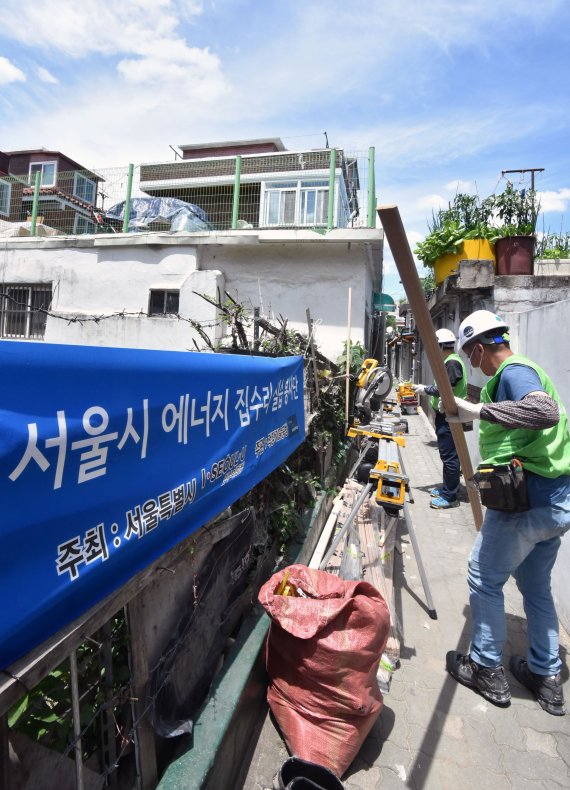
x=145, y=210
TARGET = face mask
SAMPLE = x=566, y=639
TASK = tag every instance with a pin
x=470, y=355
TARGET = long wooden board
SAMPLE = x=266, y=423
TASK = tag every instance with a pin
x=396, y=235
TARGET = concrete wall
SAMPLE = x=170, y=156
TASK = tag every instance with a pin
x=288, y=276
x=282, y=272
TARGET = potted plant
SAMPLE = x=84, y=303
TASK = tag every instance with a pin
x=461, y=231
x=517, y=211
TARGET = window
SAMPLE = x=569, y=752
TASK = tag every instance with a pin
x=296, y=203
x=164, y=302
x=22, y=310
x=84, y=188
x=83, y=225
x=48, y=172
x=5, y=192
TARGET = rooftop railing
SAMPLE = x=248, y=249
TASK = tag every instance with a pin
x=318, y=189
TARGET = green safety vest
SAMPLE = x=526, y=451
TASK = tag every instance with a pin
x=546, y=451
x=460, y=388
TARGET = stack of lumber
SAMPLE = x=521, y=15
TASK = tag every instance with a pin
x=377, y=542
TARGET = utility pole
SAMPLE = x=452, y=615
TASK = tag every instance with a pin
x=531, y=170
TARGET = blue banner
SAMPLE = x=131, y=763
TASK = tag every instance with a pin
x=110, y=457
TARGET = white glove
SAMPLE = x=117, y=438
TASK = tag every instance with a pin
x=466, y=411
x=419, y=387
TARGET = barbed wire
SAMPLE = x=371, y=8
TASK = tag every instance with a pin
x=76, y=319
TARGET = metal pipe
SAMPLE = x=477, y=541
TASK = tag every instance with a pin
x=127, y=215
x=76, y=721
x=342, y=531
x=237, y=180
x=348, y=361
x=35, y=203
x=371, y=189
x=412, y=533
x=332, y=171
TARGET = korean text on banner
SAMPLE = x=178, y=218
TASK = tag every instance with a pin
x=110, y=457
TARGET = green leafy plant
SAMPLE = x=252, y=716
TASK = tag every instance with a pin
x=554, y=245
x=465, y=218
x=513, y=212
x=517, y=210
x=357, y=356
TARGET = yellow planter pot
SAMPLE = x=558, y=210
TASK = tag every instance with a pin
x=472, y=249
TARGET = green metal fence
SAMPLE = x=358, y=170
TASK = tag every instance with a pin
x=318, y=189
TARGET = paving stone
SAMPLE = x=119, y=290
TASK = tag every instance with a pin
x=543, y=742
x=446, y=774
x=527, y=765
x=563, y=745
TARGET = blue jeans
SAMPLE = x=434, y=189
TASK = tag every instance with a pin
x=524, y=545
x=449, y=458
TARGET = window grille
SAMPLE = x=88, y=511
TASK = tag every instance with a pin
x=22, y=311
x=164, y=302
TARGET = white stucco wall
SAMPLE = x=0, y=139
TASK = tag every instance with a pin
x=287, y=277
x=90, y=280
x=282, y=272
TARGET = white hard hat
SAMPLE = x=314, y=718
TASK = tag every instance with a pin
x=482, y=322
x=445, y=337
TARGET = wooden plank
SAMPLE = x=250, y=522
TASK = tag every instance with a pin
x=144, y=735
x=396, y=235
x=378, y=569
x=4, y=755
x=325, y=535
x=347, y=498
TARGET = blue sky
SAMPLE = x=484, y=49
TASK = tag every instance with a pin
x=450, y=92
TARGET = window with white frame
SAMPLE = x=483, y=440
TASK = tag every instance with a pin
x=163, y=302
x=83, y=224
x=302, y=202
x=5, y=193
x=48, y=172
x=23, y=310
x=84, y=188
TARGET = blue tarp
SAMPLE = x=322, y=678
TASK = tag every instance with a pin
x=144, y=210
x=110, y=457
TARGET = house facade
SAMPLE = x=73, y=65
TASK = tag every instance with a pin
x=68, y=190
x=277, y=187
x=145, y=290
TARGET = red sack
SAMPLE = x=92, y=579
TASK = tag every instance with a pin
x=323, y=653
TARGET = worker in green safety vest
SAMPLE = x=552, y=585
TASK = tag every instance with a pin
x=446, y=495
x=525, y=451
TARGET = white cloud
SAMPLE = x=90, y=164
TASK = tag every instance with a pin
x=434, y=202
x=459, y=186
x=47, y=76
x=102, y=26
x=9, y=72
x=554, y=201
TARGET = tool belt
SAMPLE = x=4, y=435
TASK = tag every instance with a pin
x=503, y=486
